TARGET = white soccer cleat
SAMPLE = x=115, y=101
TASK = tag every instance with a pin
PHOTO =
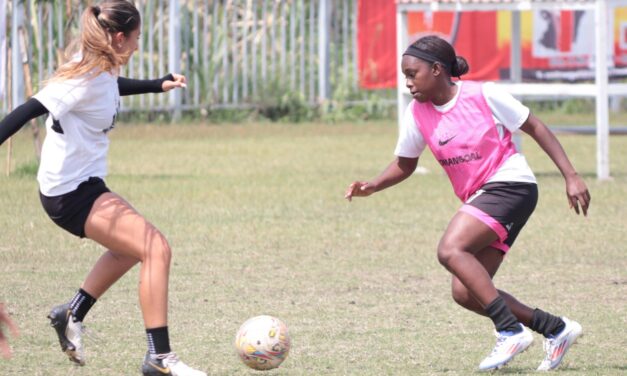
x=168, y=364
x=69, y=333
x=507, y=346
x=557, y=347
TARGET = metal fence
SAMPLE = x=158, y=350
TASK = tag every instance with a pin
x=235, y=53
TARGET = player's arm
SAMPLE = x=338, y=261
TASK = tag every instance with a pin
x=576, y=189
x=400, y=169
x=130, y=86
x=17, y=118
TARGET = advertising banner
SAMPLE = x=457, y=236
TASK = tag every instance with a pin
x=555, y=45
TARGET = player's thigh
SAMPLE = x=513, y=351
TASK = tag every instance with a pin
x=468, y=233
x=115, y=224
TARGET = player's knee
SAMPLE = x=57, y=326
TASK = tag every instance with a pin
x=445, y=254
x=159, y=249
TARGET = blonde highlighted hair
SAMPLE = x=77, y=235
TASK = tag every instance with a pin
x=94, y=46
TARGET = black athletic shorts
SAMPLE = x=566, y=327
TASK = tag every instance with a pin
x=70, y=210
x=505, y=207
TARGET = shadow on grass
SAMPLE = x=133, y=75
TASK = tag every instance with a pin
x=586, y=175
x=595, y=370
x=592, y=370
x=513, y=370
x=154, y=176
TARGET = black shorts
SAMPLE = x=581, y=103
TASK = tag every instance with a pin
x=70, y=210
x=505, y=207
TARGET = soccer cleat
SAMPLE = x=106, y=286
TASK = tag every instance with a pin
x=167, y=364
x=507, y=346
x=69, y=333
x=557, y=346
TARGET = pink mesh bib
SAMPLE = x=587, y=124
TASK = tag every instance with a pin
x=464, y=139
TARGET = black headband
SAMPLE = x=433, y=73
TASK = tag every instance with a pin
x=416, y=52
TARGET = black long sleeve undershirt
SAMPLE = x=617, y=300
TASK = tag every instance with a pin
x=15, y=120
x=32, y=108
x=129, y=86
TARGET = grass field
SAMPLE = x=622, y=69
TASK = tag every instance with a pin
x=258, y=224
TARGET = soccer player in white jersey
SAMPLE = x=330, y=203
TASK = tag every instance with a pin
x=82, y=100
x=468, y=126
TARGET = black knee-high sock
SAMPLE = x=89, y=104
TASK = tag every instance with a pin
x=81, y=304
x=502, y=316
x=158, y=340
x=546, y=323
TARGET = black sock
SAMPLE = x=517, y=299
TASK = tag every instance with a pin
x=158, y=340
x=81, y=304
x=545, y=323
x=502, y=316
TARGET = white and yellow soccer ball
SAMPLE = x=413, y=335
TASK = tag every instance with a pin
x=262, y=342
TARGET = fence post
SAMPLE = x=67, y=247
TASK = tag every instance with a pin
x=312, y=31
x=174, y=55
x=3, y=53
x=323, y=50
x=17, y=79
x=515, y=69
x=402, y=40
x=601, y=82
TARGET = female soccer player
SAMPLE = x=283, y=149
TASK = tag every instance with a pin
x=468, y=126
x=82, y=100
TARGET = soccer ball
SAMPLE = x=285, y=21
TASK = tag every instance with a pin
x=262, y=342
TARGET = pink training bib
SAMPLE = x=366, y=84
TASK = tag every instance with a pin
x=464, y=139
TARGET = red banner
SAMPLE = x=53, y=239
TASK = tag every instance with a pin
x=473, y=34
x=555, y=45
x=376, y=43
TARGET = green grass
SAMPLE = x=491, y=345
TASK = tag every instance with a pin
x=257, y=221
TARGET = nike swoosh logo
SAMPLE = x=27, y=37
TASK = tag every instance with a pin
x=442, y=143
x=165, y=371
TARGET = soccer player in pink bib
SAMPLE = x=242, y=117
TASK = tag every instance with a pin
x=468, y=127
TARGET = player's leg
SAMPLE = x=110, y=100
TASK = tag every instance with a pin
x=491, y=259
x=115, y=224
x=70, y=211
x=560, y=333
x=67, y=319
x=464, y=237
x=110, y=267
x=556, y=345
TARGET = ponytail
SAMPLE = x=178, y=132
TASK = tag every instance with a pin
x=93, y=52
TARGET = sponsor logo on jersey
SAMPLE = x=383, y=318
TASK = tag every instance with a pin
x=474, y=156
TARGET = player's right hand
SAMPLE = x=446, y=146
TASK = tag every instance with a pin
x=359, y=189
x=578, y=194
x=179, y=81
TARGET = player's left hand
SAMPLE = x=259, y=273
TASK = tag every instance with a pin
x=578, y=195
x=179, y=81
